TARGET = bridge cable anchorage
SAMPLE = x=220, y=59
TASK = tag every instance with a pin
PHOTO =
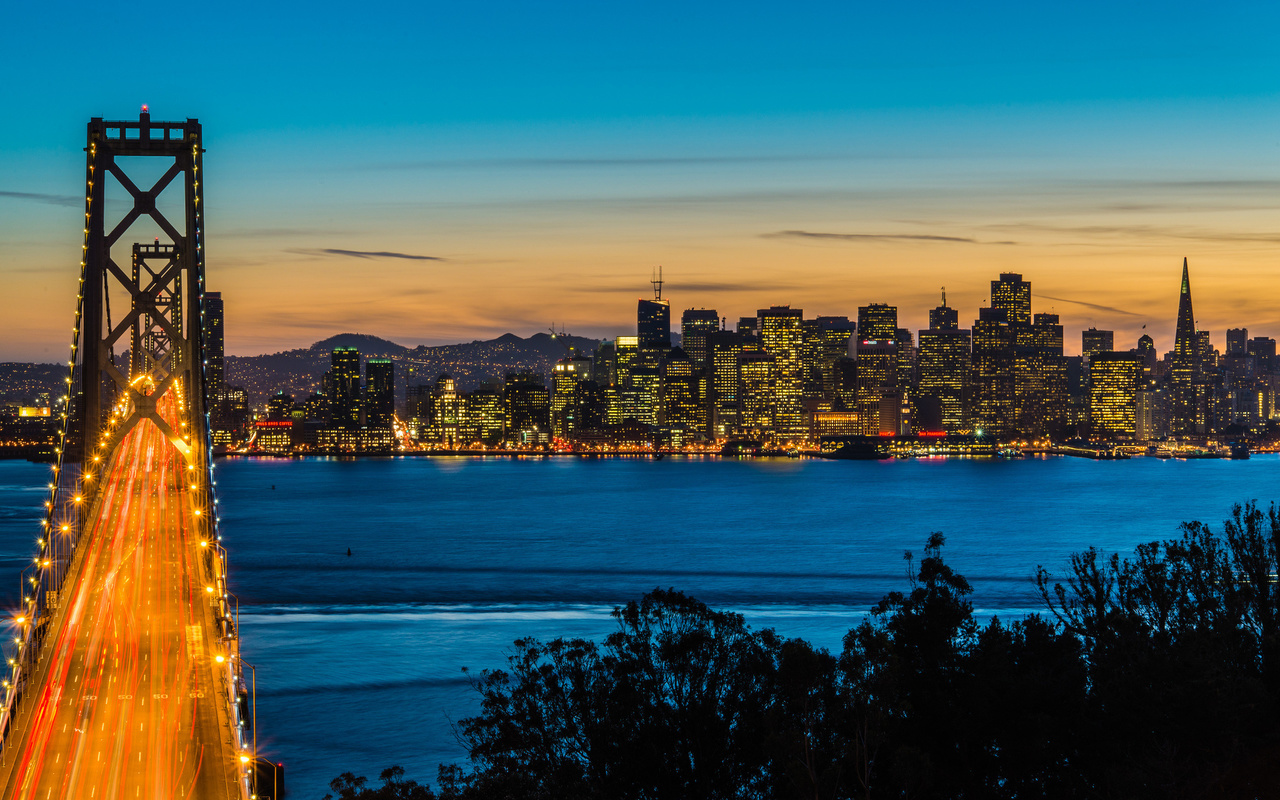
x=111, y=408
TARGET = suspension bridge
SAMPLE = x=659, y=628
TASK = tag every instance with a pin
x=125, y=673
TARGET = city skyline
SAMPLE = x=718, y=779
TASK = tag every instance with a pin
x=464, y=172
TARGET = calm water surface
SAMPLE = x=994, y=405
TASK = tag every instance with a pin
x=359, y=657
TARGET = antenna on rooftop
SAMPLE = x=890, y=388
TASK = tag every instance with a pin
x=944, y=295
x=657, y=284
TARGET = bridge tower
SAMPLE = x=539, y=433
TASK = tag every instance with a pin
x=164, y=283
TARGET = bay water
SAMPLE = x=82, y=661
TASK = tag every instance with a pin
x=359, y=657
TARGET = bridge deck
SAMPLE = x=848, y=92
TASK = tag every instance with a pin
x=128, y=700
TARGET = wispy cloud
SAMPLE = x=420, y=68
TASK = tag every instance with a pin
x=598, y=162
x=674, y=286
x=1095, y=306
x=1144, y=232
x=875, y=237
x=333, y=251
x=51, y=199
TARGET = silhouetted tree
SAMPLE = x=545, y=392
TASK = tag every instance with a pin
x=1154, y=676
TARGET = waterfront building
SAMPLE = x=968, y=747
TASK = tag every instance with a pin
x=1113, y=388
x=528, y=407
x=696, y=325
x=781, y=336
x=944, y=366
x=682, y=405
x=274, y=435
x=875, y=373
x=992, y=407
x=567, y=373
x=447, y=420
x=485, y=416
x=1040, y=382
x=878, y=366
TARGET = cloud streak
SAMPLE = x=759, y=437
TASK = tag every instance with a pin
x=1146, y=232
x=591, y=163
x=674, y=286
x=333, y=251
x=875, y=237
x=66, y=200
x=1094, y=306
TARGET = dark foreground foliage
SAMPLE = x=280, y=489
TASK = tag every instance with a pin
x=1150, y=677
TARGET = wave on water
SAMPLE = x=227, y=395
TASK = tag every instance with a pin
x=501, y=569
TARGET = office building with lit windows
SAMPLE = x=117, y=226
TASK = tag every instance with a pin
x=345, y=409
x=992, y=408
x=944, y=365
x=781, y=336
x=653, y=324
x=379, y=392
x=696, y=325
x=1113, y=386
x=756, y=371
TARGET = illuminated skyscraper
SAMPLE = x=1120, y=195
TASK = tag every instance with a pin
x=877, y=322
x=1187, y=396
x=877, y=363
x=1113, y=388
x=781, y=336
x=1012, y=295
x=944, y=365
x=448, y=419
x=726, y=347
x=344, y=388
x=682, y=406
x=485, y=416
x=1096, y=341
x=756, y=393
x=653, y=324
x=696, y=324
x=528, y=407
x=379, y=392
x=567, y=373
x=837, y=335
x=992, y=409
x=1041, y=378
x=214, y=368
x=625, y=349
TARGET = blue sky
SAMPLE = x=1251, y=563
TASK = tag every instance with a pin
x=551, y=154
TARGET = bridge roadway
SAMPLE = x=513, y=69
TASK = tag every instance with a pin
x=128, y=699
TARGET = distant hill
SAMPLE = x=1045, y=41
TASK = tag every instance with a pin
x=20, y=382
x=298, y=372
